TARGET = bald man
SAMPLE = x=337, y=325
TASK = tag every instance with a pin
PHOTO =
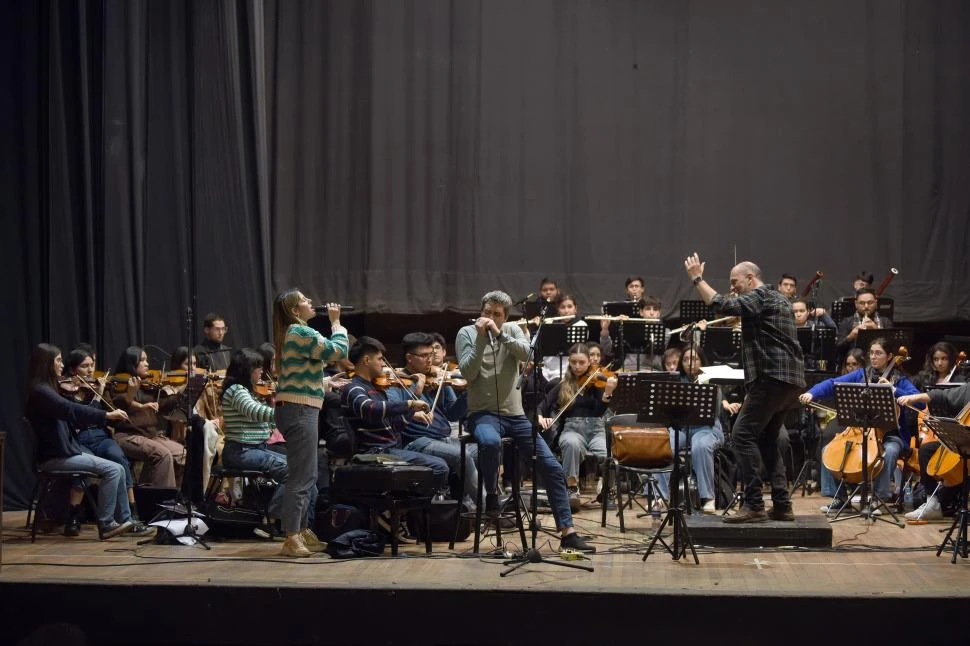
x=774, y=376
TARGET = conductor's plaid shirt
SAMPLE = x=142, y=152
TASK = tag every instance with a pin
x=768, y=334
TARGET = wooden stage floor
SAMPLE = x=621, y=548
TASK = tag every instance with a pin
x=876, y=568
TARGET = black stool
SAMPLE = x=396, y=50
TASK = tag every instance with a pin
x=219, y=475
x=46, y=478
x=468, y=438
x=395, y=503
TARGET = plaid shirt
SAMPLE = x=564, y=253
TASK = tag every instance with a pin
x=768, y=334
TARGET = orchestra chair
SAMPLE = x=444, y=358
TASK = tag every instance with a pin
x=218, y=476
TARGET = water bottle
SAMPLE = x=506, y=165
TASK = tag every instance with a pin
x=655, y=513
x=908, y=497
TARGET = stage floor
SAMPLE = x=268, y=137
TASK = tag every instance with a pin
x=879, y=562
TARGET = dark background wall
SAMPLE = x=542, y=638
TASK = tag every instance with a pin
x=407, y=156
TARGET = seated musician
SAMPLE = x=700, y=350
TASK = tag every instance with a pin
x=548, y=291
x=337, y=371
x=788, y=286
x=650, y=307
x=267, y=351
x=212, y=353
x=865, y=318
x=580, y=410
x=97, y=440
x=862, y=280
x=702, y=440
x=895, y=442
x=939, y=367
x=249, y=425
x=943, y=403
x=55, y=420
x=671, y=360
x=444, y=405
x=378, y=423
x=554, y=367
x=853, y=361
x=212, y=441
x=817, y=318
x=139, y=436
x=634, y=286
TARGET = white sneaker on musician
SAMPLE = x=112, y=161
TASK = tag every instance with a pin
x=709, y=507
x=929, y=510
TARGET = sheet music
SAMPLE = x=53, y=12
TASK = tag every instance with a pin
x=720, y=372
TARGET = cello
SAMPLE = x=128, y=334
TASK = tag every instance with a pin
x=945, y=465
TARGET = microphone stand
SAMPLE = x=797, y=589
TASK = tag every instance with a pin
x=531, y=554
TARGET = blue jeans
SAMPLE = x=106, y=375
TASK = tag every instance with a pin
x=449, y=450
x=257, y=457
x=581, y=436
x=489, y=429
x=298, y=424
x=100, y=443
x=892, y=447
x=112, y=494
x=439, y=468
x=703, y=441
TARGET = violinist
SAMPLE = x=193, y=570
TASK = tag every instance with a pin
x=939, y=367
x=96, y=440
x=882, y=369
x=55, y=420
x=335, y=374
x=378, y=421
x=580, y=402
x=943, y=402
x=265, y=390
x=139, y=436
x=434, y=438
x=212, y=352
x=865, y=318
x=703, y=441
x=204, y=419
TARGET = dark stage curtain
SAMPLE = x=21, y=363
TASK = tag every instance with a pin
x=167, y=156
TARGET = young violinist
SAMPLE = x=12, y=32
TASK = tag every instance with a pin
x=882, y=369
x=703, y=441
x=140, y=436
x=303, y=353
x=55, y=421
x=248, y=426
x=444, y=404
x=96, y=440
x=267, y=383
x=579, y=401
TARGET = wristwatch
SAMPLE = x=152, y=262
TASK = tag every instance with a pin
x=697, y=280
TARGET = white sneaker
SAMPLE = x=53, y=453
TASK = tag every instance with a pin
x=929, y=510
x=709, y=507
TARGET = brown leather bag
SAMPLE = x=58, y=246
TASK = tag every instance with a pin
x=636, y=446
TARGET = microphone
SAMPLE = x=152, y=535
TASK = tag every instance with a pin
x=522, y=300
x=322, y=309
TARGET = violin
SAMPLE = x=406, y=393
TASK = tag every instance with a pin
x=180, y=377
x=152, y=383
x=264, y=389
x=72, y=386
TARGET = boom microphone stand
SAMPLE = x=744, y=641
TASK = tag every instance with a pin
x=531, y=554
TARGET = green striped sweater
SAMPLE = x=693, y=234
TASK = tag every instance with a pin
x=247, y=421
x=304, y=355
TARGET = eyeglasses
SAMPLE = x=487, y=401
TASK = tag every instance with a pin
x=422, y=355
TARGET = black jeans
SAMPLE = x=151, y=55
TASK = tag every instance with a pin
x=755, y=436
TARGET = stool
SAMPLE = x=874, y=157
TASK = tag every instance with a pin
x=464, y=440
x=47, y=477
x=395, y=504
x=218, y=476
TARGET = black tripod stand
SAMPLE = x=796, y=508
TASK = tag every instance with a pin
x=677, y=405
x=530, y=554
x=871, y=407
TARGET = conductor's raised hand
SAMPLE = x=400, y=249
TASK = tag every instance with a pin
x=694, y=266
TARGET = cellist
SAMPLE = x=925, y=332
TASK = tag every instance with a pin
x=882, y=369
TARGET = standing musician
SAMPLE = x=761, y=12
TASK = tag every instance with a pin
x=212, y=352
x=96, y=440
x=882, y=369
x=444, y=405
x=378, y=421
x=944, y=402
x=489, y=352
x=55, y=420
x=865, y=318
x=303, y=352
x=139, y=436
x=581, y=402
x=774, y=372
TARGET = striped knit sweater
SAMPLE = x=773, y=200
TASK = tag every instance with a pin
x=303, y=357
x=247, y=421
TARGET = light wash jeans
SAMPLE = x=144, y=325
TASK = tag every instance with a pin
x=112, y=493
x=703, y=441
x=581, y=436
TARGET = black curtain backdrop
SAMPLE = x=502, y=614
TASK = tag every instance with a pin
x=164, y=159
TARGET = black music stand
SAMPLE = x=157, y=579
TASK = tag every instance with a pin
x=956, y=437
x=841, y=308
x=535, y=309
x=619, y=308
x=677, y=404
x=895, y=336
x=871, y=407
x=577, y=333
x=554, y=342
x=722, y=345
x=693, y=311
x=641, y=337
x=818, y=346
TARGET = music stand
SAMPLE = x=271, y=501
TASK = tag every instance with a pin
x=619, y=308
x=842, y=307
x=553, y=342
x=871, y=407
x=956, y=437
x=722, y=345
x=693, y=311
x=895, y=336
x=818, y=346
x=577, y=333
x=535, y=309
x=677, y=404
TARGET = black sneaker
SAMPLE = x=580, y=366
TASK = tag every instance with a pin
x=575, y=542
